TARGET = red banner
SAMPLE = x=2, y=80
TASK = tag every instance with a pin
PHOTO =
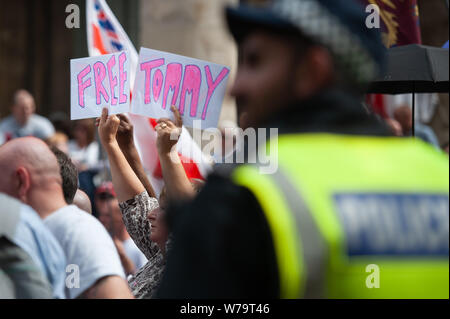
x=399, y=21
x=399, y=24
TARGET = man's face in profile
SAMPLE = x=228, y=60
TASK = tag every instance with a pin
x=264, y=80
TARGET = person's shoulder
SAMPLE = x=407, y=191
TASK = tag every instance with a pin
x=31, y=230
x=81, y=216
x=72, y=218
x=29, y=216
x=35, y=221
x=79, y=223
x=87, y=245
x=7, y=121
x=39, y=119
x=30, y=219
x=76, y=228
x=41, y=126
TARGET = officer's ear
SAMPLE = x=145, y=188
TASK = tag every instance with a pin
x=314, y=72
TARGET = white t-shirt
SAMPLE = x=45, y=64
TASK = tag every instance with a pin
x=89, y=249
x=36, y=125
x=133, y=252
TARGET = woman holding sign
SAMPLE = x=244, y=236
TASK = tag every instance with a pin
x=142, y=213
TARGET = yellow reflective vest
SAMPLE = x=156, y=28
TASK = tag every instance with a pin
x=356, y=216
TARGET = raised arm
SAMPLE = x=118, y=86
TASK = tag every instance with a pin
x=126, y=143
x=135, y=203
x=126, y=183
x=176, y=181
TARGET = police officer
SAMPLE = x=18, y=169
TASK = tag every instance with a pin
x=351, y=212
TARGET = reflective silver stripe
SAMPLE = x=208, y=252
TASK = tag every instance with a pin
x=313, y=245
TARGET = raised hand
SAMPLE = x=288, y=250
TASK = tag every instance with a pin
x=107, y=127
x=123, y=139
x=176, y=181
x=125, y=132
x=168, y=132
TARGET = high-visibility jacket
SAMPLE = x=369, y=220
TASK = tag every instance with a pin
x=356, y=216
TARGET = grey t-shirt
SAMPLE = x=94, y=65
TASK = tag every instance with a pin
x=90, y=251
x=37, y=126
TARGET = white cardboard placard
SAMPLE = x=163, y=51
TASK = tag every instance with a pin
x=195, y=87
x=97, y=82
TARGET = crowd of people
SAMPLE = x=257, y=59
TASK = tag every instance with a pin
x=240, y=233
x=127, y=237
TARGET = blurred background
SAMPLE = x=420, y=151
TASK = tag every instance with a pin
x=35, y=45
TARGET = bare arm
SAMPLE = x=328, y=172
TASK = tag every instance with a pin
x=128, y=188
x=177, y=183
x=126, y=183
x=109, y=287
x=126, y=143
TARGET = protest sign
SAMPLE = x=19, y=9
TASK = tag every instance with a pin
x=195, y=87
x=97, y=82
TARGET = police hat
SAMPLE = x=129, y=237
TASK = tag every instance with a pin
x=339, y=25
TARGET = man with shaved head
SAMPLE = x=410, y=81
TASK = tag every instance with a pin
x=30, y=173
x=23, y=121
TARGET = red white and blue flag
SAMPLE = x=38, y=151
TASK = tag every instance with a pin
x=105, y=36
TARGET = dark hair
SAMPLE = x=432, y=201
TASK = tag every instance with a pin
x=69, y=174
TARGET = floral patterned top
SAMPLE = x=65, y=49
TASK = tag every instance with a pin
x=134, y=214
